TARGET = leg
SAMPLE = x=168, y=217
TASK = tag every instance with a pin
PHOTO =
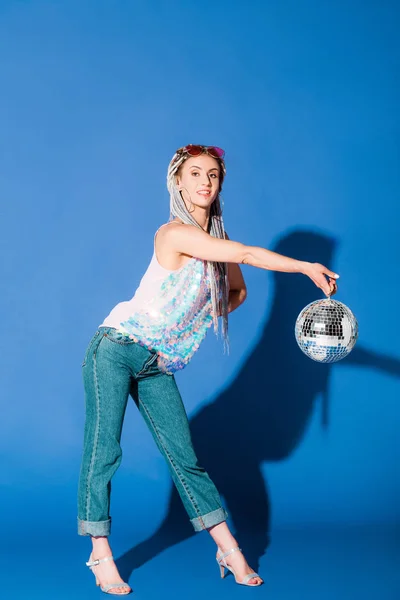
x=160, y=403
x=106, y=383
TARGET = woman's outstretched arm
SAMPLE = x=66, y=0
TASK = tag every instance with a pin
x=190, y=240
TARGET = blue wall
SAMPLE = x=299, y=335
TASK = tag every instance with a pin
x=96, y=96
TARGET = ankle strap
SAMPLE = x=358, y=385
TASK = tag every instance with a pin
x=228, y=552
x=98, y=560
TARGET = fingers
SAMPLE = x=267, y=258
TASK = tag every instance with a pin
x=331, y=274
x=329, y=287
x=332, y=287
x=318, y=275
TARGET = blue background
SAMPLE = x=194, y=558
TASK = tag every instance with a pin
x=95, y=98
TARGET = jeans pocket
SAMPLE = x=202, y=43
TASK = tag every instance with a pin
x=96, y=335
x=118, y=337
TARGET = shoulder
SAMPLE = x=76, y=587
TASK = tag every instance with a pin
x=165, y=246
x=174, y=229
x=165, y=230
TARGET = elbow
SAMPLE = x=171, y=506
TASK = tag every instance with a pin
x=240, y=295
x=236, y=298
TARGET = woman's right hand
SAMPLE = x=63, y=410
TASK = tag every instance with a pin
x=317, y=273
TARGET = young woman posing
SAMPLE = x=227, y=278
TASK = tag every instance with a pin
x=193, y=278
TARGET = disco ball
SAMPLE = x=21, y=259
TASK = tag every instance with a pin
x=326, y=330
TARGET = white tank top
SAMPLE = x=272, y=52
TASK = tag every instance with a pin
x=170, y=312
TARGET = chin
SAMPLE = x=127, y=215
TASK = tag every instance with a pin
x=204, y=204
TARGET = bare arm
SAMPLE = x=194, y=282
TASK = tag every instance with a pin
x=190, y=240
x=237, y=285
x=236, y=297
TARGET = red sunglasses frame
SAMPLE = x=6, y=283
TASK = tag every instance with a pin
x=197, y=149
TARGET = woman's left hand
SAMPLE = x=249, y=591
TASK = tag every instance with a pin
x=317, y=273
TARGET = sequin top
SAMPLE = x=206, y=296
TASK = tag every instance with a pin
x=170, y=312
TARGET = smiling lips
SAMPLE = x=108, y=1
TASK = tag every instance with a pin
x=204, y=192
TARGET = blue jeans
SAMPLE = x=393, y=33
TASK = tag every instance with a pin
x=115, y=367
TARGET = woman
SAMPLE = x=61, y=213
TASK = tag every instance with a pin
x=193, y=278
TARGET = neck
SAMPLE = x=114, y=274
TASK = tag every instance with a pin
x=201, y=216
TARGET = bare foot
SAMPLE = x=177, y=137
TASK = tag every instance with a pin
x=237, y=561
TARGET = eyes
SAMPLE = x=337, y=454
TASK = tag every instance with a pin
x=213, y=175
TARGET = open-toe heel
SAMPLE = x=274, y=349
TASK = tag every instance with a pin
x=109, y=586
x=223, y=565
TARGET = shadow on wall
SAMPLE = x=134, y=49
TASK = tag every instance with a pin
x=264, y=412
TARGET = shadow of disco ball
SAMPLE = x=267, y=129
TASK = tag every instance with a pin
x=326, y=330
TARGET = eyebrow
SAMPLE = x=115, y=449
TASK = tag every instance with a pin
x=196, y=167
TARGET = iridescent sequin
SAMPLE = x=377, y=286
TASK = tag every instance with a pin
x=176, y=320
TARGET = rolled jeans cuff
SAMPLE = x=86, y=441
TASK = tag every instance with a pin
x=209, y=519
x=94, y=528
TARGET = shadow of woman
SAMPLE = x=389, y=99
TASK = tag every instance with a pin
x=261, y=415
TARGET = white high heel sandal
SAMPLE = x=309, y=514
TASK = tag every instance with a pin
x=109, y=586
x=222, y=565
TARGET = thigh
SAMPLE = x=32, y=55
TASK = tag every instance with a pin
x=160, y=403
x=106, y=378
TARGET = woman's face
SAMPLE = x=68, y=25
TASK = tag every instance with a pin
x=199, y=180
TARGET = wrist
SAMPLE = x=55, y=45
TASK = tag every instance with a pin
x=304, y=267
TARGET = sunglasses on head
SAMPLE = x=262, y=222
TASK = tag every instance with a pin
x=196, y=150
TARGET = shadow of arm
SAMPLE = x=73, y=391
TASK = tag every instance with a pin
x=367, y=358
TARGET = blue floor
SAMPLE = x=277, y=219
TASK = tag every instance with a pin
x=336, y=563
